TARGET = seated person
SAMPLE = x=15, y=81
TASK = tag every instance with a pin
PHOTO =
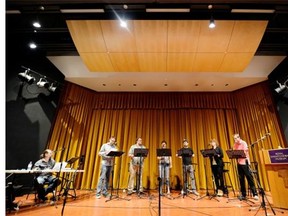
x=45, y=162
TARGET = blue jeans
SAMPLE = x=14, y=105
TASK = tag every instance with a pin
x=103, y=181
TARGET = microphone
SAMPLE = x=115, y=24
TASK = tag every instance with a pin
x=268, y=134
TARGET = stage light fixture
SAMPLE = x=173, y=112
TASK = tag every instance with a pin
x=123, y=23
x=36, y=24
x=281, y=87
x=25, y=77
x=52, y=87
x=43, y=83
x=212, y=23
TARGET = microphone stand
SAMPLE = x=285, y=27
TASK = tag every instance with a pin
x=65, y=193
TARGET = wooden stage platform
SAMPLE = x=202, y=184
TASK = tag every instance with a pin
x=86, y=204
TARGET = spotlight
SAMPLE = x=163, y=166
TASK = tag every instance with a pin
x=52, y=87
x=212, y=23
x=43, y=83
x=281, y=87
x=36, y=24
x=25, y=77
x=123, y=23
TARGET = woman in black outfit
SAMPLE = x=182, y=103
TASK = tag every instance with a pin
x=217, y=167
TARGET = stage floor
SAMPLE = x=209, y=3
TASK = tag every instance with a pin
x=86, y=204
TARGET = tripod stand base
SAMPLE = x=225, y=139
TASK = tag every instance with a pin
x=210, y=197
x=116, y=197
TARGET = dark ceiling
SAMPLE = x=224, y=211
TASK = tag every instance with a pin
x=54, y=38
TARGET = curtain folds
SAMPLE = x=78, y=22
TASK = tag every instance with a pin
x=86, y=119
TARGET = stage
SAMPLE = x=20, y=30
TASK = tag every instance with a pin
x=86, y=204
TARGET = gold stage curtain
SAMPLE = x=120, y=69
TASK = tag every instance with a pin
x=86, y=119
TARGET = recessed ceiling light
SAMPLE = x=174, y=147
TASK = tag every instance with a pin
x=104, y=84
x=226, y=84
x=134, y=84
x=196, y=84
x=165, y=84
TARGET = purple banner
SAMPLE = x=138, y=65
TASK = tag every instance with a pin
x=278, y=156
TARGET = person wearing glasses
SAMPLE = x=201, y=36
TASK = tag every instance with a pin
x=243, y=168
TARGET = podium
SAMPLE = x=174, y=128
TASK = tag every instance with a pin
x=276, y=165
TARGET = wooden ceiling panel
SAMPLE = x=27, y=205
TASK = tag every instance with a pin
x=166, y=45
x=180, y=62
x=236, y=62
x=151, y=35
x=151, y=62
x=117, y=38
x=246, y=36
x=87, y=35
x=125, y=62
x=207, y=62
x=216, y=39
x=183, y=35
x=97, y=62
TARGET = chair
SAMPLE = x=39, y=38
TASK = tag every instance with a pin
x=35, y=191
x=226, y=175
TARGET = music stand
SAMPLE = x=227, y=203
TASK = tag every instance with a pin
x=72, y=160
x=206, y=154
x=66, y=177
x=115, y=154
x=184, y=152
x=163, y=153
x=236, y=154
x=142, y=153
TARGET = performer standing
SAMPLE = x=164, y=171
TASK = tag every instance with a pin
x=46, y=162
x=217, y=167
x=107, y=163
x=243, y=168
x=188, y=168
x=165, y=164
x=136, y=167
